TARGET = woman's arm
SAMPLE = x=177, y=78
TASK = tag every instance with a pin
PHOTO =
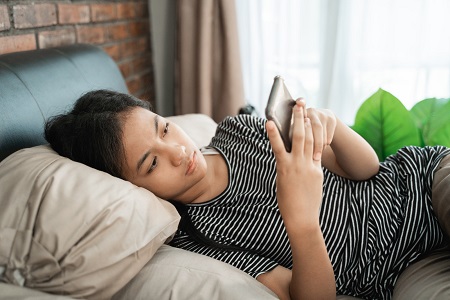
x=299, y=196
x=310, y=278
x=349, y=155
x=343, y=151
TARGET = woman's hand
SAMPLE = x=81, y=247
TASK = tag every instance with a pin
x=342, y=150
x=299, y=175
x=323, y=123
x=299, y=196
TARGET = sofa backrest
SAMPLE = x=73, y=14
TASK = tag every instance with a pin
x=37, y=84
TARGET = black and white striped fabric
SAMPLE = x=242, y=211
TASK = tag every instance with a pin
x=373, y=229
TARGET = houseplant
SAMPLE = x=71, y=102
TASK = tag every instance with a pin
x=388, y=125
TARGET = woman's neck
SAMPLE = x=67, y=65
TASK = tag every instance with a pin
x=213, y=183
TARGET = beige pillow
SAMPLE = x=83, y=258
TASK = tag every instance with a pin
x=428, y=278
x=69, y=229
x=177, y=274
x=199, y=127
x=12, y=292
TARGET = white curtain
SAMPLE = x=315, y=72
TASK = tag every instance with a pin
x=336, y=53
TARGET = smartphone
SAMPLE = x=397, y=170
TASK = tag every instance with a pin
x=279, y=110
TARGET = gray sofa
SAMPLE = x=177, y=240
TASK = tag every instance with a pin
x=37, y=84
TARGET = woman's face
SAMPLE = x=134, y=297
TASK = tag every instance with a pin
x=160, y=157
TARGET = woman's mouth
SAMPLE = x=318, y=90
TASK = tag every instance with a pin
x=192, y=164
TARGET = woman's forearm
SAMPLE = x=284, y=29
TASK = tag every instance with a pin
x=350, y=155
x=312, y=272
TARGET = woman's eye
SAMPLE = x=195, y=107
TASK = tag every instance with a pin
x=153, y=165
x=166, y=129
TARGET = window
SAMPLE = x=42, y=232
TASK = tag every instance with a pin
x=336, y=53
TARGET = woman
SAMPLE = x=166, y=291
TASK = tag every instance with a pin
x=325, y=218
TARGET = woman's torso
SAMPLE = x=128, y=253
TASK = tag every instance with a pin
x=373, y=229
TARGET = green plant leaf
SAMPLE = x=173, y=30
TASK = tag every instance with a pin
x=432, y=117
x=386, y=124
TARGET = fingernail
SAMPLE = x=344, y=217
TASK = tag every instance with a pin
x=307, y=121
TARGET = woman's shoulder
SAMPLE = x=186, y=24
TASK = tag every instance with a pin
x=241, y=131
x=244, y=124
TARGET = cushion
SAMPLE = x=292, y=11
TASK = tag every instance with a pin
x=12, y=292
x=178, y=274
x=66, y=228
x=199, y=127
x=429, y=278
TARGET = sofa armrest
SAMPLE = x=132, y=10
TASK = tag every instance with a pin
x=37, y=84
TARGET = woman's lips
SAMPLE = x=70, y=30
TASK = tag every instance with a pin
x=192, y=164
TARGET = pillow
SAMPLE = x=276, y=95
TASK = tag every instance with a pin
x=66, y=228
x=12, y=292
x=428, y=278
x=178, y=274
x=199, y=127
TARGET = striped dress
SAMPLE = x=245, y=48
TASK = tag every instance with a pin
x=373, y=229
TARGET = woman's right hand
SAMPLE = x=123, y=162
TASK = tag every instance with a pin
x=299, y=196
x=299, y=175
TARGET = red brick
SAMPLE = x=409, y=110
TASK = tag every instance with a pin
x=17, y=43
x=134, y=85
x=125, y=69
x=126, y=10
x=91, y=34
x=139, y=83
x=134, y=47
x=34, y=15
x=103, y=12
x=117, y=32
x=139, y=28
x=4, y=18
x=141, y=9
x=113, y=51
x=147, y=80
x=73, y=13
x=54, y=38
x=142, y=64
x=143, y=44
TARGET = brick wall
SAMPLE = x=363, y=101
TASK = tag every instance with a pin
x=120, y=27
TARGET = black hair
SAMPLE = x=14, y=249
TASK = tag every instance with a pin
x=91, y=133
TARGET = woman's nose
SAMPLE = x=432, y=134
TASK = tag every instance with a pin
x=177, y=153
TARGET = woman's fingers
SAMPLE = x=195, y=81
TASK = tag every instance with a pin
x=309, y=140
x=331, y=127
x=319, y=135
x=275, y=139
x=308, y=135
x=302, y=102
x=298, y=131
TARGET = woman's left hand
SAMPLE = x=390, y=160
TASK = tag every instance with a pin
x=349, y=155
x=323, y=123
